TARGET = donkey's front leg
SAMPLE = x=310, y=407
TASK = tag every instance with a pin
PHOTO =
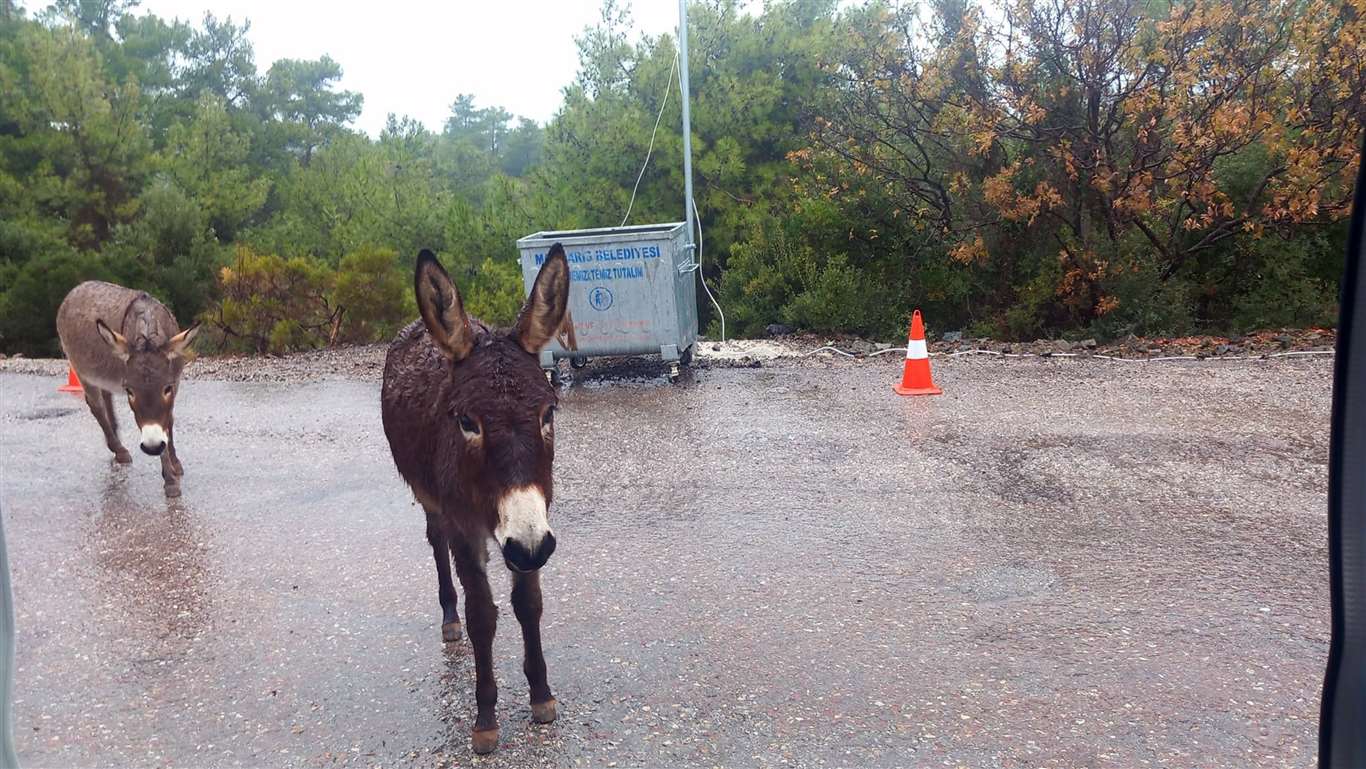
x=526, y=604
x=101, y=404
x=169, y=476
x=481, y=618
x=170, y=449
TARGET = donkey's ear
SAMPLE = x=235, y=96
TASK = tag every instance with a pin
x=441, y=308
x=543, y=313
x=178, y=344
x=114, y=339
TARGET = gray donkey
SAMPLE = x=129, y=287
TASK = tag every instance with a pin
x=120, y=339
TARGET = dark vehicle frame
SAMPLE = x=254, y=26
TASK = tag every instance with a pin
x=1342, y=717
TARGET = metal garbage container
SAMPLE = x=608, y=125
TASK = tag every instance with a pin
x=631, y=291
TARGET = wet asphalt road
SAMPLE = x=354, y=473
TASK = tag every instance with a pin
x=1056, y=564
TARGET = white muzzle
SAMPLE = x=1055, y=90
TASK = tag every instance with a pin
x=153, y=439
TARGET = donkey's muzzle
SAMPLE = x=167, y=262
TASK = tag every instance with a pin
x=523, y=530
x=153, y=439
x=519, y=557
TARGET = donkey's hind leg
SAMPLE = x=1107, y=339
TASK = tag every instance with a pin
x=101, y=404
x=445, y=589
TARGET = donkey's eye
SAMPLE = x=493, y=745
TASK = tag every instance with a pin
x=129, y=390
x=469, y=425
x=167, y=391
x=548, y=418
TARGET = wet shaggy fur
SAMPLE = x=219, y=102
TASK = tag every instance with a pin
x=141, y=319
x=423, y=395
x=469, y=417
x=121, y=341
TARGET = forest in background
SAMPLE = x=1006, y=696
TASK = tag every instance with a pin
x=1017, y=169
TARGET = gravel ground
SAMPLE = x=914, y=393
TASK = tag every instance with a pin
x=367, y=361
x=1058, y=563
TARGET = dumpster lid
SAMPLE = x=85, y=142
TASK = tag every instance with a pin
x=602, y=234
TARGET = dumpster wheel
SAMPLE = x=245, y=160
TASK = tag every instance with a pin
x=675, y=368
x=578, y=361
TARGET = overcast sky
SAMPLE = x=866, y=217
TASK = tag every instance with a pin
x=413, y=58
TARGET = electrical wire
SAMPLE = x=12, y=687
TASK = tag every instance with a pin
x=692, y=202
x=664, y=102
x=700, y=276
x=1095, y=356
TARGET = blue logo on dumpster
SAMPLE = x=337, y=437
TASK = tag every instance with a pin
x=600, y=298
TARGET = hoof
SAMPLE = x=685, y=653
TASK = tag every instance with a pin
x=172, y=490
x=543, y=712
x=485, y=741
x=450, y=632
x=123, y=457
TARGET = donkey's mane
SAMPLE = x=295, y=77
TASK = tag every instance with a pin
x=147, y=333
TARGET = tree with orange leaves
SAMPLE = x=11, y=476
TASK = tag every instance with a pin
x=1118, y=135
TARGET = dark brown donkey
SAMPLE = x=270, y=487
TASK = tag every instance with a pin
x=121, y=340
x=470, y=421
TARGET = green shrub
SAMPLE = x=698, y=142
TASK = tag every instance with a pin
x=274, y=305
x=32, y=293
x=1144, y=304
x=755, y=287
x=773, y=278
x=371, y=289
x=494, y=295
x=1279, y=284
x=833, y=296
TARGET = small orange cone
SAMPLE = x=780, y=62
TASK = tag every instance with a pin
x=915, y=377
x=73, y=383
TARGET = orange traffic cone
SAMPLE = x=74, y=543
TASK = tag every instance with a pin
x=915, y=377
x=73, y=383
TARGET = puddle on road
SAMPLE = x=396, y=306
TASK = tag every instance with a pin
x=51, y=412
x=1002, y=583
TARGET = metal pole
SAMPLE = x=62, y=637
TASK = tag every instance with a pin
x=8, y=759
x=687, y=127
